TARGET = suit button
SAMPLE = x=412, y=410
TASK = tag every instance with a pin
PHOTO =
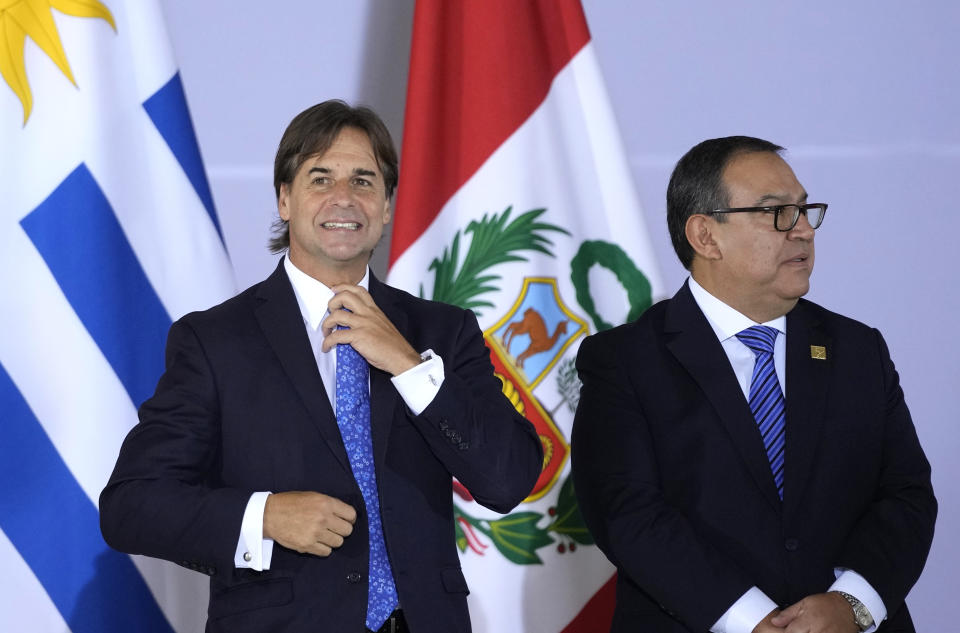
x=354, y=577
x=791, y=544
x=455, y=437
x=211, y=571
x=463, y=446
x=443, y=425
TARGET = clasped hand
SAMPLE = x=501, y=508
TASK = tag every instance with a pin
x=819, y=613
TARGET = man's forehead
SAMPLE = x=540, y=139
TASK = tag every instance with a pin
x=334, y=157
x=765, y=176
x=329, y=159
x=756, y=163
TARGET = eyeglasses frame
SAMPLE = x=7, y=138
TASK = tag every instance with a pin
x=777, y=210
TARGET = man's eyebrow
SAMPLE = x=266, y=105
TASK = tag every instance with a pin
x=765, y=200
x=359, y=171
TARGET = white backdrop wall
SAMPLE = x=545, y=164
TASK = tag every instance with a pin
x=864, y=95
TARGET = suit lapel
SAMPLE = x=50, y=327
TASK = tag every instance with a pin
x=694, y=343
x=383, y=395
x=808, y=380
x=282, y=324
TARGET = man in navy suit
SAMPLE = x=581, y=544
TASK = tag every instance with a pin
x=814, y=515
x=239, y=468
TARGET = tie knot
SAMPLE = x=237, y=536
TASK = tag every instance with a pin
x=759, y=338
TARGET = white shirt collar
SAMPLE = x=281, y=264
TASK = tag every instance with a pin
x=312, y=295
x=724, y=320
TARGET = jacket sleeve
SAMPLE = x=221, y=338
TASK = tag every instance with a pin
x=889, y=543
x=161, y=499
x=618, y=487
x=474, y=430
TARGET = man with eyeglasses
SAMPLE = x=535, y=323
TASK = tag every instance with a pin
x=744, y=456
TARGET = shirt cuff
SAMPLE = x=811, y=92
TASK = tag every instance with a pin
x=849, y=581
x=746, y=613
x=254, y=551
x=419, y=385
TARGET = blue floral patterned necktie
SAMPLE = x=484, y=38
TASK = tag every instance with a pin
x=766, y=398
x=353, y=418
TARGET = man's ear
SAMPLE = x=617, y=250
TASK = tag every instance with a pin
x=387, y=211
x=282, y=208
x=700, y=234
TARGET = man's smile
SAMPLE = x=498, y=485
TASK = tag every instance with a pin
x=348, y=226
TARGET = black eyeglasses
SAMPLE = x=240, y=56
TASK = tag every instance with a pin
x=785, y=216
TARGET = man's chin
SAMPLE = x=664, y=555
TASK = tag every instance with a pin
x=796, y=285
x=793, y=295
x=344, y=254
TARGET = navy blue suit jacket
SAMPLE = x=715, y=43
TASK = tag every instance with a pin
x=241, y=408
x=673, y=481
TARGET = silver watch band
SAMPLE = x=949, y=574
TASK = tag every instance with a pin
x=861, y=615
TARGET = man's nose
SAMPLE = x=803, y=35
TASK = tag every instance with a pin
x=802, y=229
x=342, y=193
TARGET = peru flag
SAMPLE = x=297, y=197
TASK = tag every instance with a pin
x=516, y=201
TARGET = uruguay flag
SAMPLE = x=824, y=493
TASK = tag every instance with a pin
x=107, y=233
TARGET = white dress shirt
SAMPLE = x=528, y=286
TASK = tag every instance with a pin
x=754, y=604
x=418, y=386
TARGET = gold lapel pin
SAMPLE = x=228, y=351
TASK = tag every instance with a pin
x=818, y=352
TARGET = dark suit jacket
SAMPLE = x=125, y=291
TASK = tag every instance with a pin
x=241, y=408
x=674, y=484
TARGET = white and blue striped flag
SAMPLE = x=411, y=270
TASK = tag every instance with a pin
x=107, y=233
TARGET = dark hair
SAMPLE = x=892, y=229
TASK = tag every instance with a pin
x=696, y=184
x=312, y=132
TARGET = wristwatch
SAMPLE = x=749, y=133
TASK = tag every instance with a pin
x=861, y=616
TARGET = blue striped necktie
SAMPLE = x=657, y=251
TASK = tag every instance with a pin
x=353, y=418
x=766, y=397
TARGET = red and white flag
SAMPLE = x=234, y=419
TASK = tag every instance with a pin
x=516, y=201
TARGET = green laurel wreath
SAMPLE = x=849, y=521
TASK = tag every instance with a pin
x=497, y=240
x=518, y=537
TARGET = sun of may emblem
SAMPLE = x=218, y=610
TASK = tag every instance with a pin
x=20, y=19
x=527, y=344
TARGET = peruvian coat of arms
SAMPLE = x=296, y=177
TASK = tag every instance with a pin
x=532, y=347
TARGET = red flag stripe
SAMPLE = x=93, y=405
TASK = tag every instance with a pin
x=597, y=615
x=478, y=70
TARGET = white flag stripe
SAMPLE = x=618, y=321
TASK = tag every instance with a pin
x=59, y=369
x=615, y=180
x=21, y=593
x=148, y=47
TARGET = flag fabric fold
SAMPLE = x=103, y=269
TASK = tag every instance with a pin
x=516, y=201
x=109, y=234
